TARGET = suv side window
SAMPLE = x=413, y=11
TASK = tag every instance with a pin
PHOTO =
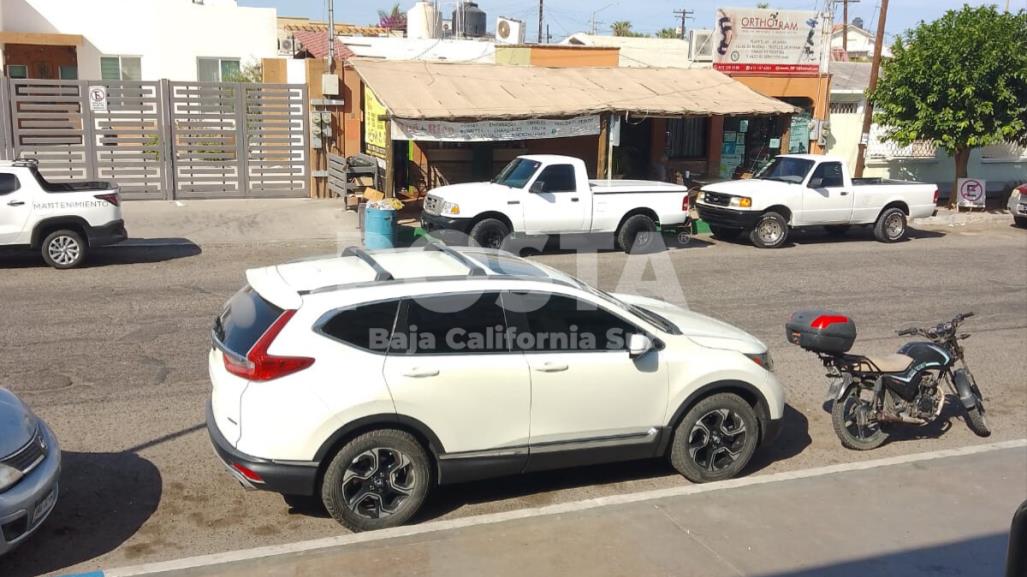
x=8, y=183
x=831, y=173
x=465, y=323
x=368, y=327
x=560, y=323
x=558, y=178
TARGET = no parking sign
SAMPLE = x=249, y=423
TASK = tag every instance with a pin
x=971, y=192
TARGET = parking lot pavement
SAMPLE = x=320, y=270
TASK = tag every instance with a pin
x=893, y=518
x=113, y=357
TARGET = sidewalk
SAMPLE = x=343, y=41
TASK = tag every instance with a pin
x=942, y=513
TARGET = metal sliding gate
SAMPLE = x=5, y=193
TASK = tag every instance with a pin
x=163, y=140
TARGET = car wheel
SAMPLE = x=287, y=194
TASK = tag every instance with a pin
x=771, y=231
x=377, y=480
x=891, y=225
x=489, y=233
x=715, y=440
x=63, y=249
x=837, y=229
x=638, y=234
x=722, y=233
x=1020, y=221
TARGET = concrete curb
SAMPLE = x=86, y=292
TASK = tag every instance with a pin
x=167, y=567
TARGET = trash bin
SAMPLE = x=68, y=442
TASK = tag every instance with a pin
x=379, y=228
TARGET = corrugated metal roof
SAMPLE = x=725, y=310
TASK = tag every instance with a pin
x=448, y=91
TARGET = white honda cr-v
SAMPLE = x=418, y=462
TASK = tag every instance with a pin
x=369, y=378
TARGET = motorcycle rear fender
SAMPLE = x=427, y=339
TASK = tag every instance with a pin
x=844, y=385
x=964, y=388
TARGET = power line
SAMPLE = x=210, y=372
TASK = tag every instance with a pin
x=684, y=14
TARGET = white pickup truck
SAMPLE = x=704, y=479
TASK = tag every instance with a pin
x=552, y=195
x=62, y=220
x=804, y=190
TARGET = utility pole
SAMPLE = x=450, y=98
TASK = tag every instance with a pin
x=684, y=14
x=845, y=26
x=331, y=36
x=868, y=109
x=540, y=18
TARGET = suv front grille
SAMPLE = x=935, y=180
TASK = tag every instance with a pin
x=28, y=457
x=432, y=204
x=717, y=198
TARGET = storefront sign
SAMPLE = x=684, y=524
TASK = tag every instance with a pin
x=798, y=134
x=768, y=41
x=493, y=130
x=374, y=125
x=972, y=192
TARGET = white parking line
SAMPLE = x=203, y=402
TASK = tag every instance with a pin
x=563, y=508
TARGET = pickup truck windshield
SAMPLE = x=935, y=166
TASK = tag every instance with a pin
x=517, y=173
x=786, y=169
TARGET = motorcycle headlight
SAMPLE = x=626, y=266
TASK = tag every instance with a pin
x=8, y=477
x=762, y=359
x=450, y=208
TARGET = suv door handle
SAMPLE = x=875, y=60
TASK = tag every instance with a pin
x=16, y=203
x=420, y=373
x=552, y=367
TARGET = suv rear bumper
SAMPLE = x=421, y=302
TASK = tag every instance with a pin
x=728, y=218
x=292, y=478
x=110, y=233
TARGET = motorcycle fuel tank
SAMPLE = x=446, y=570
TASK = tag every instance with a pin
x=926, y=355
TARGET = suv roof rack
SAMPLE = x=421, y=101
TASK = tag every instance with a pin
x=380, y=273
x=474, y=268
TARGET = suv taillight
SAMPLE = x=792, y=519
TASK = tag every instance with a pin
x=113, y=198
x=259, y=365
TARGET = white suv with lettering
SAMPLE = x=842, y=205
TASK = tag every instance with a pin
x=63, y=220
x=369, y=378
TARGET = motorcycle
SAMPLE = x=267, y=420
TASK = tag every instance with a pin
x=870, y=393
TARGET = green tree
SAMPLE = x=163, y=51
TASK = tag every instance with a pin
x=252, y=72
x=623, y=28
x=668, y=33
x=763, y=5
x=959, y=82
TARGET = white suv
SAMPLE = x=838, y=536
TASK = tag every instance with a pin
x=369, y=378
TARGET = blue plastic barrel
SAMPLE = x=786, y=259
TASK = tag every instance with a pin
x=379, y=228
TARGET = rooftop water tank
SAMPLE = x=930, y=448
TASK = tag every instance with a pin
x=424, y=21
x=468, y=21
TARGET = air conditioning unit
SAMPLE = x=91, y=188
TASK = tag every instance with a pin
x=287, y=46
x=509, y=31
x=700, y=45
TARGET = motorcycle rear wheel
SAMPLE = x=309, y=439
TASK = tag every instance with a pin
x=853, y=435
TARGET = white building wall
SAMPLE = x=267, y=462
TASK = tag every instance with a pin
x=450, y=50
x=168, y=35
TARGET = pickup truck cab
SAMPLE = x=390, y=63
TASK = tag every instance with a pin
x=62, y=220
x=804, y=190
x=550, y=194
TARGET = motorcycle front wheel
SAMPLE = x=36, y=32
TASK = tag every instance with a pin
x=851, y=419
x=975, y=417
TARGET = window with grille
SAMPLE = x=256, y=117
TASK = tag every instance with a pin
x=121, y=68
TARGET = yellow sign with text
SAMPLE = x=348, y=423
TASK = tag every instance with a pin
x=375, y=137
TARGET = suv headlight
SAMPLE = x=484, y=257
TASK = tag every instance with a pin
x=450, y=208
x=741, y=201
x=8, y=477
x=762, y=359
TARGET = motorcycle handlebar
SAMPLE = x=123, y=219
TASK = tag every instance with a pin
x=905, y=332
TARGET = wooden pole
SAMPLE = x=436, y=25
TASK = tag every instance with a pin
x=868, y=109
x=845, y=26
x=390, y=161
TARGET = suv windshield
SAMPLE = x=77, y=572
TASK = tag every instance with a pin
x=786, y=169
x=517, y=173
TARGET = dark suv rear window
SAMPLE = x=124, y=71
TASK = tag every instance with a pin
x=246, y=317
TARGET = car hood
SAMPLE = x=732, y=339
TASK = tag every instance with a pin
x=707, y=331
x=17, y=423
x=747, y=187
x=457, y=192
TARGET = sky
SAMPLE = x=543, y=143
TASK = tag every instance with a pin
x=565, y=17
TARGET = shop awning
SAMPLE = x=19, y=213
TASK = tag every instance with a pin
x=456, y=91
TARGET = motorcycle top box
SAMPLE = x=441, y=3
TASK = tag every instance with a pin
x=821, y=331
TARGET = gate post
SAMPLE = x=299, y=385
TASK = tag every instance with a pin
x=242, y=145
x=165, y=127
x=88, y=129
x=6, y=135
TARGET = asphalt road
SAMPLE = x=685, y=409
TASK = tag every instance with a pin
x=113, y=356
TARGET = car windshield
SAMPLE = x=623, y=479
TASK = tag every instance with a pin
x=786, y=169
x=644, y=313
x=517, y=173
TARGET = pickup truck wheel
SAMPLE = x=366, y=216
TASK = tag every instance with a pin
x=489, y=233
x=771, y=231
x=638, y=235
x=723, y=233
x=891, y=225
x=63, y=249
x=715, y=440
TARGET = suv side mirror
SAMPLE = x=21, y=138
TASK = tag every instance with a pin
x=816, y=182
x=537, y=187
x=639, y=345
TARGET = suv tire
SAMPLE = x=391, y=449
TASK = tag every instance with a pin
x=489, y=233
x=716, y=439
x=891, y=225
x=64, y=249
x=377, y=480
x=638, y=235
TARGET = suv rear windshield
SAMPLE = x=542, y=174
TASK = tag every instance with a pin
x=246, y=317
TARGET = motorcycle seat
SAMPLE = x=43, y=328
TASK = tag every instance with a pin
x=894, y=363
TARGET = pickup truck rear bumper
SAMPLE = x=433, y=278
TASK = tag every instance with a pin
x=109, y=233
x=728, y=218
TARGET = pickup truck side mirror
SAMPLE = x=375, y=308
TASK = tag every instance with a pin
x=816, y=182
x=639, y=345
x=537, y=187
